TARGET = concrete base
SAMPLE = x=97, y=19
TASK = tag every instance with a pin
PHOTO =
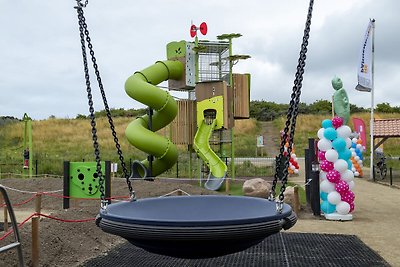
x=338, y=217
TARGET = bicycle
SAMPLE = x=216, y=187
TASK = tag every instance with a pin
x=381, y=168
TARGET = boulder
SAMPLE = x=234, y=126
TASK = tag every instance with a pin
x=289, y=196
x=256, y=187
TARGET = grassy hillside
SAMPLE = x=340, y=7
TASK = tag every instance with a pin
x=56, y=140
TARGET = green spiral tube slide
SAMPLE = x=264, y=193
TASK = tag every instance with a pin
x=141, y=87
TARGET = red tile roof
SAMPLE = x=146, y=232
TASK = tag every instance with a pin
x=387, y=128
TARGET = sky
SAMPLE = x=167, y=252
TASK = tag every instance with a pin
x=41, y=70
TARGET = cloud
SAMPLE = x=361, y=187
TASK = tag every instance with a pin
x=41, y=66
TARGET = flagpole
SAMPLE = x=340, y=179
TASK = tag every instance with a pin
x=372, y=102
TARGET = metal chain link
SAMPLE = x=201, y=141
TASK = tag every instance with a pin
x=80, y=4
x=84, y=32
x=291, y=117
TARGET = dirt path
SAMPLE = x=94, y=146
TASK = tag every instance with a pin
x=271, y=138
x=375, y=220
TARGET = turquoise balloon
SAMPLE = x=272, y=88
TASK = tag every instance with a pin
x=330, y=133
x=327, y=207
x=323, y=196
x=339, y=144
x=345, y=154
x=349, y=164
x=327, y=124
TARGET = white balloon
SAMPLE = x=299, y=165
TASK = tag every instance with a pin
x=359, y=146
x=324, y=144
x=296, y=171
x=343, y=131
x=322, y=175
x=331, y=155
x=293, y=155
x=343, y=208
x=327, y=186
x=357, y=158
x=320, y=133
x=351, y=185
x=347, y=176
x=354, y=140
x=292, y=167
x=356, y=174
x=334, y=198
x=353, y=169
x=340, y=165
x=360, y=162
x=353, y=153
x=348, y=142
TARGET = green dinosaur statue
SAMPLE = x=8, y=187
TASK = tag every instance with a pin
x=341, y=104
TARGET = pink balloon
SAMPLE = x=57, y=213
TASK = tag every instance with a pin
x=321, y=155
x=326, y=166
x=341, y=187
x=333, y=176
x=337, y=122
x=348, y=196
x=351, y=207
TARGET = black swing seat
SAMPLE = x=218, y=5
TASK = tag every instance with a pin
x=195, y=226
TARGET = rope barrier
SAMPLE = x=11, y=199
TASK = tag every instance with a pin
x=46, y=216
x=81, y=198
x=20, y=203
x=19, y=225
x=29, y=192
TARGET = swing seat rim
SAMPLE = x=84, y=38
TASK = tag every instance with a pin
x=195, y=211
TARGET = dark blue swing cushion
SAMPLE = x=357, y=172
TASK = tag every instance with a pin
x=189, y=211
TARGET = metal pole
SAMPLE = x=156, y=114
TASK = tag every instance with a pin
x=372, y=102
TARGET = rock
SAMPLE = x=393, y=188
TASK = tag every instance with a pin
x=256, y=187
x=289, y=196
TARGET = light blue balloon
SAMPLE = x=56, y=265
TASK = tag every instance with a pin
x=330, y=133
x=327, y=207
x=345, y=154
x=358, y=151
x=327, y=124
x=349, y=164
x=323, y=196
x=339, y=144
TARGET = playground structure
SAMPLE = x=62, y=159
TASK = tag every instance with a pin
x=216, y=97
x=81, y=181
x=27, y=144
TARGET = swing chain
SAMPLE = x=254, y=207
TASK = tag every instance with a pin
x=80, y=4
x=291, y=118
x=85, y=32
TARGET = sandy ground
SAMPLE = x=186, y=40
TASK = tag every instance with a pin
x=70, y=244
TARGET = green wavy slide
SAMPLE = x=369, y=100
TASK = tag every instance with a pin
x=202, y=147
x=141, y=87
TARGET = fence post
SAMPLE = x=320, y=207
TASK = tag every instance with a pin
x=35, y=242
x=5, y=214
x=391, y=176
x=35, y=231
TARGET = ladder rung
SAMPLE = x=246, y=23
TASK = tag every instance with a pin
x=9, y=246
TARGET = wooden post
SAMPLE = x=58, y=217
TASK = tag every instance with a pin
x=296, y=200
x=38, y=203
x=179, y=192
x=35, y=242
x=35, y=231
x=227, y=185
x=5, y=213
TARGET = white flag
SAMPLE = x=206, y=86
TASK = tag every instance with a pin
x=365, y=64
